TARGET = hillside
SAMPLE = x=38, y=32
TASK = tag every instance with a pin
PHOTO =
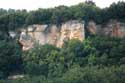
x=78, y=44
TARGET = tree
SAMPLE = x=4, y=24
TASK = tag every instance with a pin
x=10, y=58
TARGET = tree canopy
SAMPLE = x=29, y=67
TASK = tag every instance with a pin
x=12, y=19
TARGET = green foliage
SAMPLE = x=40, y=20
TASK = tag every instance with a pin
x=10, y=58
x=39, y=59
x=113, y=74
x=95, y=75
x=94, y=60
x=13, y=19
x=111, y=49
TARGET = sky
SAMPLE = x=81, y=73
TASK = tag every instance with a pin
x=35, y=4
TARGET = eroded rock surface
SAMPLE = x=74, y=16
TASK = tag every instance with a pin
x=112, y=28
x=51, y=34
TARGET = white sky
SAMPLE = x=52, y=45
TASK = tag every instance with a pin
x=35, y=4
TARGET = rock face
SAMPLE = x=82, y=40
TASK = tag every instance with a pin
x=51, y=34
x=113, y=29
x=56, y=35
x=92, y=28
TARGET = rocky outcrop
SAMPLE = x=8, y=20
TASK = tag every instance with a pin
x=113, y=29
x=51, y=34
x=56, y=35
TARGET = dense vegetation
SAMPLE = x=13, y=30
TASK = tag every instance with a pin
x=10, y=58
x=94, y=60
x=12, y=19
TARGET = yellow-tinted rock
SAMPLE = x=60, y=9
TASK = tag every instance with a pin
x=52, y=34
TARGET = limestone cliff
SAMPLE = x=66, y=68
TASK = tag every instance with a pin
x=112, y=28
x=56, y=35
x=51, y=34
